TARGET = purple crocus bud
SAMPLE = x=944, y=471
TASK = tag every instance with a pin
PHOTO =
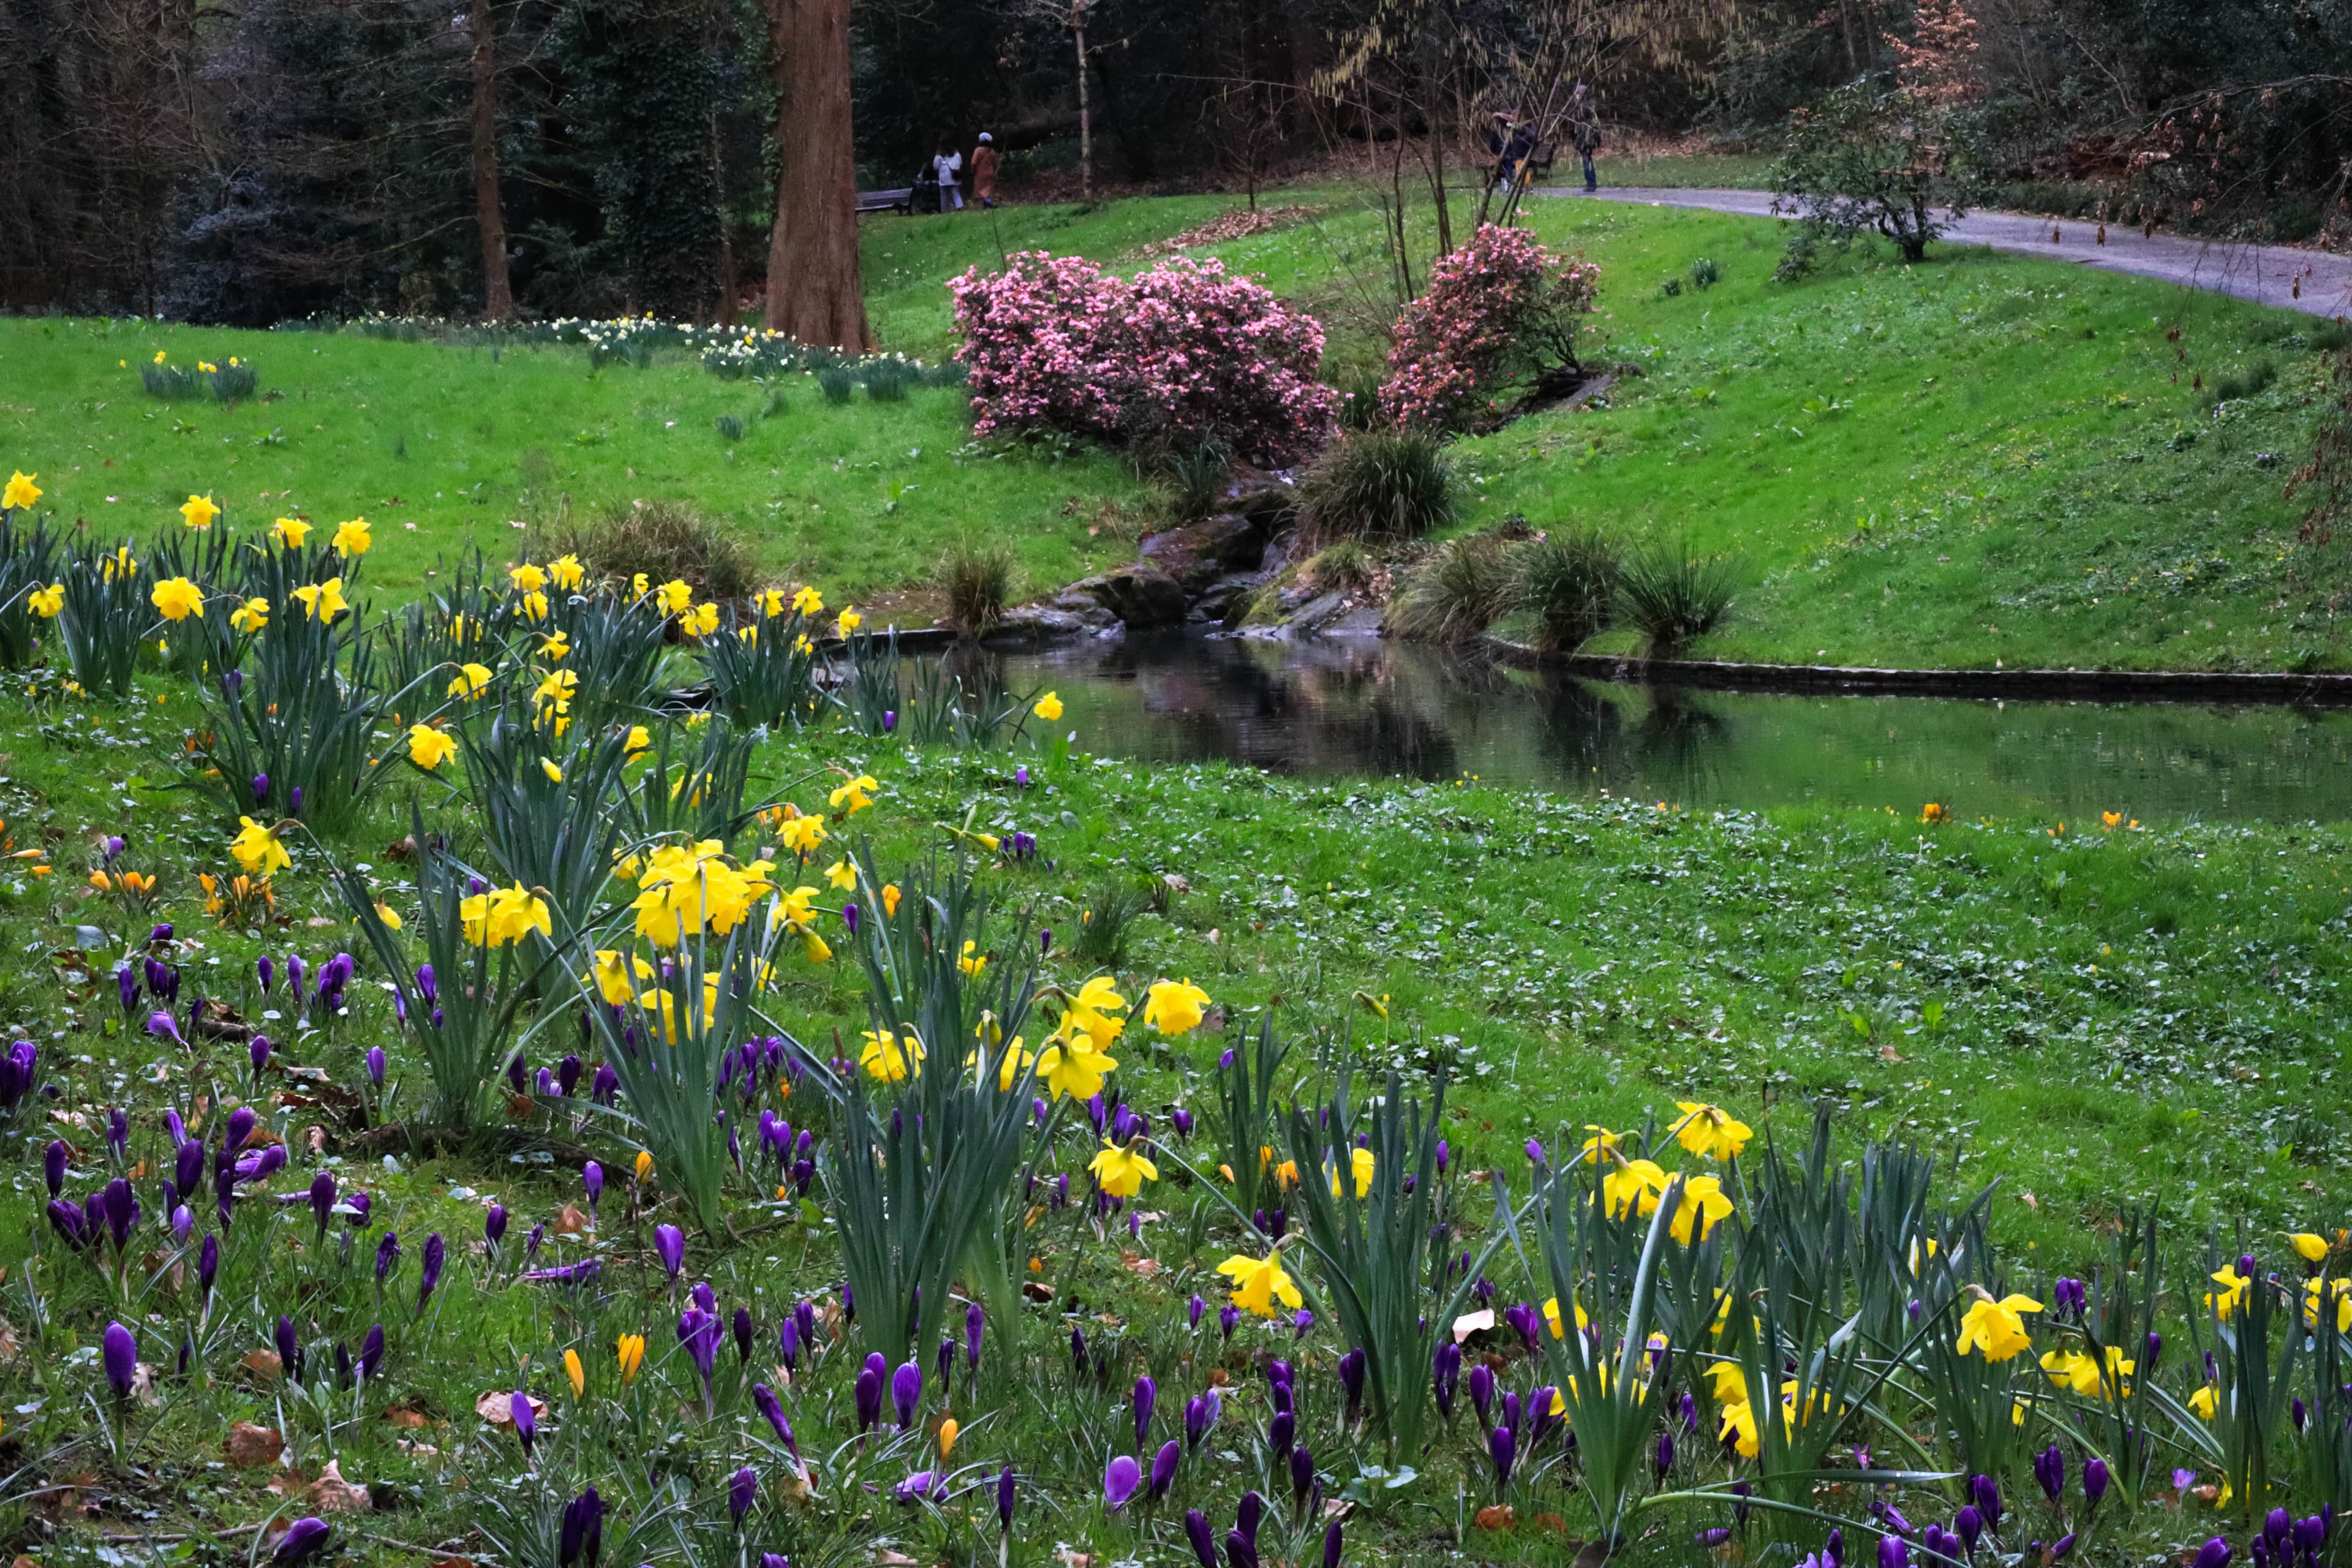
x=126, y=988
x=1147, y=1396
x=1282, y=1433
x=1665, y=1453
x=605, y=1088
x=370, y=1351
x=868, y=1396
x=241, y=1123
x=592, y=1176
x=121, y=1353
x=704, y=1296
x=304, y=1539
x=1987, y=1493
x=53, y=1166
x=435, y=1249
x=273, y=1160
x=2214, y=1554
x=289, y=1349
x=1894, y=1552
x=260, y=788
x=1482, y=1393
x=294, y=801
x=387, y=1254
x=742, y=1492
x=163, y=1026
x=207, y=1264
x=1351, y=1378
x=1163, y=1468
x=1196, y=1421
x=188, y=1166
x=2049, y=1471
x=770, y=1406
x=526, y=1423
x=1302, y=1474
x=1121, y=1477
x=323, y=1197
x=889, y=719
x=1332, y=1544
x=669, y=1245
x=1502, y=1448
x=294, y=972
x=1203, y=1541
x=184, y=1225
x=1229, y=1318
x=907, y=1393
x=267, y=971
x=743, y=1333
x=494, y=1224
x=375, y=1066
x=975, y=1323
x=583, y=1532
x=121, y=1209
x=2094, y=1480
x=567, y=1075
x=259, y=1052
x=849, y=917
x=787, y=1344
x=1969, y=1524
x=2064, y=1544
x=1446, y=1376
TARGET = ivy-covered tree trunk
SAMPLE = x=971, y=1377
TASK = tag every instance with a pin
x=815, y=291
x=497, y=294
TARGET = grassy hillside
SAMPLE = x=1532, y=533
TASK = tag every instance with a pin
x=1985, y=459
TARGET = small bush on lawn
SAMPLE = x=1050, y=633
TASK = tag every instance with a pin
x=1463, y=586
x=1389, y=483
x=977, y=580
x=1182, y=357
x=663, y=539
x=1568, y=581
x=1673, y=597
x=1500, y=315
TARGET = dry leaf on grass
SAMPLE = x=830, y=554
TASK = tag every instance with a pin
x=497, y=1407
x=249, y=1445
x=332, y=1494
x=264, y=1364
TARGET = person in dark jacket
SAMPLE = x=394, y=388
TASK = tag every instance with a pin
x=1583, y=127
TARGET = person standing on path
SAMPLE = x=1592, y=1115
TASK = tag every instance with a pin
x=1584, y=125
x=947, y=163
x=983, y=171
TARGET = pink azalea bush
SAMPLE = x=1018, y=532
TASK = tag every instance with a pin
x=1182, y=356
x=1499, y=312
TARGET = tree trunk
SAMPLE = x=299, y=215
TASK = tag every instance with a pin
x=497, y=293
x=1086, y=125
x=728, y=286
x=814, y=292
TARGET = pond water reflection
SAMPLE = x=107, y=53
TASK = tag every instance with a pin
x=1362, y=706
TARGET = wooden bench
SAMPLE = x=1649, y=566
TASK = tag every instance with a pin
x=898, y=201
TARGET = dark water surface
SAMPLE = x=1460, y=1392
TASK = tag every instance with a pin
x=1360, y=706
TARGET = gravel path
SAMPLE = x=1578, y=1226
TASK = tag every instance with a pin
x=2313, y=282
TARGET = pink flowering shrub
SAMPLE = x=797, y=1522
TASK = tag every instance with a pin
x=1500, y=313
x=1183, y=356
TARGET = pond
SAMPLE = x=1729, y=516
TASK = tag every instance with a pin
x=1362, y=706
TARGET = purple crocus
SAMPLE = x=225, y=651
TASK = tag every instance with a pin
x=2214, y=1554
x=435, y=1249
x=1502, y=1448
x=592, y=1176
x=669, y=1245
x=121, y=1353
x=526, y=1423
x=1121, y=1477
x=868, y=1393
x=1482, y=1393
x=303, y=1539
x=289, y=1349
x=697, y=1331
x=1196, y=1421
x=581, y=1537
x=387, y=1254
x=1147, y=1396
x=494, y=1224
x=742, y=1492
x=2049, y=1471
x=1203, y=1540
x=323, y=1198
x=370, y=1351
x=975, y=1323
x=53, y=1166
x=375, y=1076
x=207, y=1264
x=768, y=1405
x=2094, y=1480
x=1163, y=1468
x=907, y=1393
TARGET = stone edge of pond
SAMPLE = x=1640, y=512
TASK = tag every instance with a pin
x=2123, y=685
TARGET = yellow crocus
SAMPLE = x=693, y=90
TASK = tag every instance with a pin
x=576, y=1373
x=630, y=1353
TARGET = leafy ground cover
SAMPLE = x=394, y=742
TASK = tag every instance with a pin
x=2091, y=1018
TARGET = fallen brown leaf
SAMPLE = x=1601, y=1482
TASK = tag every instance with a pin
x=332, y=1494
x=497, y=1407
x=399, y=1416
x=264, y=1364
x=1496, y=1516
x=249, y=1445
x=569, y=1221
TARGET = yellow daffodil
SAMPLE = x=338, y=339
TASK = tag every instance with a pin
x=199, y=511
x=700, y=621
x=527, y=578
x=556, y=647
x=801, y=835
x=257, y=850
x=1704, y=1202
x=2205, y=1402
x=610, y=973
x=638, y=742
x=554, y=773
x=533, y=606
x=21, y=493
x=2232, y=1294
x=1602, y=1142
x=890, y=1058
x=808, y=601
x=1121, y=1171
x=846, y=623
x=566, y=573
x=290, y=532
x=249, y=618
x=353, y=539
x=1633, y=1188
x=674, y=598
x=2311, y=1248
x=177, y=599
x=2337, y=1290
x=1709, y=1132
x=472, y=680
x=500, y=916
x=1551, y=1317
x=841, y=875
x=855, y=795
x=1259, y=1283
x=1996, y=1329
x=1073, y=1067
x=46, y=602
x=971, y=960
x=1361, y=1163
x=323, y=601
x=1048, y=707
x=2080, y=1373
x=1175, y=1006
x=557, y=690
x=428, y=748
x=692, y=888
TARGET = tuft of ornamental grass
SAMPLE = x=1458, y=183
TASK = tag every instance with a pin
x=665, y=539
x=1567, y=580
x=1672, y=596
x=1378, y=484
x=1458, y=590
x=977, y=580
